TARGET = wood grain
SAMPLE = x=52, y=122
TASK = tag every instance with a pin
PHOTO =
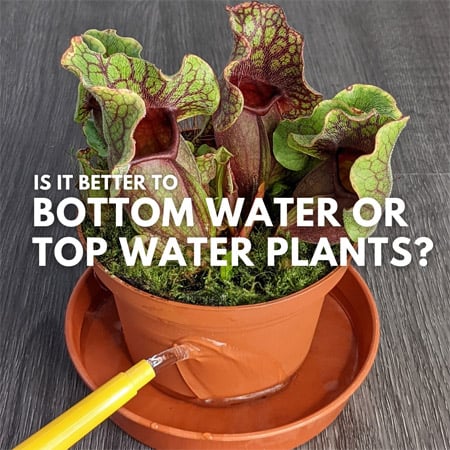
x=400, y=45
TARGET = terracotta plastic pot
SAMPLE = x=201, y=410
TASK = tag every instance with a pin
x=342, y=352
x=243, y=351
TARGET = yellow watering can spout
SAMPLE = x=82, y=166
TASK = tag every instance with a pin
x=74, y=424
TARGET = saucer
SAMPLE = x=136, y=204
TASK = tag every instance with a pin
x=341, y=355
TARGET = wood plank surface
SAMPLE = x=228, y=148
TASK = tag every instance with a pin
x=400, y=45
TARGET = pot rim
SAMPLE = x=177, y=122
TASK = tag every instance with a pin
x=286, y=298
x=174, y=303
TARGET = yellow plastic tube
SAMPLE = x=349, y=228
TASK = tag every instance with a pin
x=71, y=426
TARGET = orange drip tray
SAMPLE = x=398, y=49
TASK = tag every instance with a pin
x=342, y=353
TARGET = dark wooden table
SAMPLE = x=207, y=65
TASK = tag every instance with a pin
x=400, y=45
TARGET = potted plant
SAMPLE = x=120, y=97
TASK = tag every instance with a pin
x=251, y=143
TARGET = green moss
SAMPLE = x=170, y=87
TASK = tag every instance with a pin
x=205, y=285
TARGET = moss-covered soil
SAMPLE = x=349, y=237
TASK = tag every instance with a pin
x=207, y=285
